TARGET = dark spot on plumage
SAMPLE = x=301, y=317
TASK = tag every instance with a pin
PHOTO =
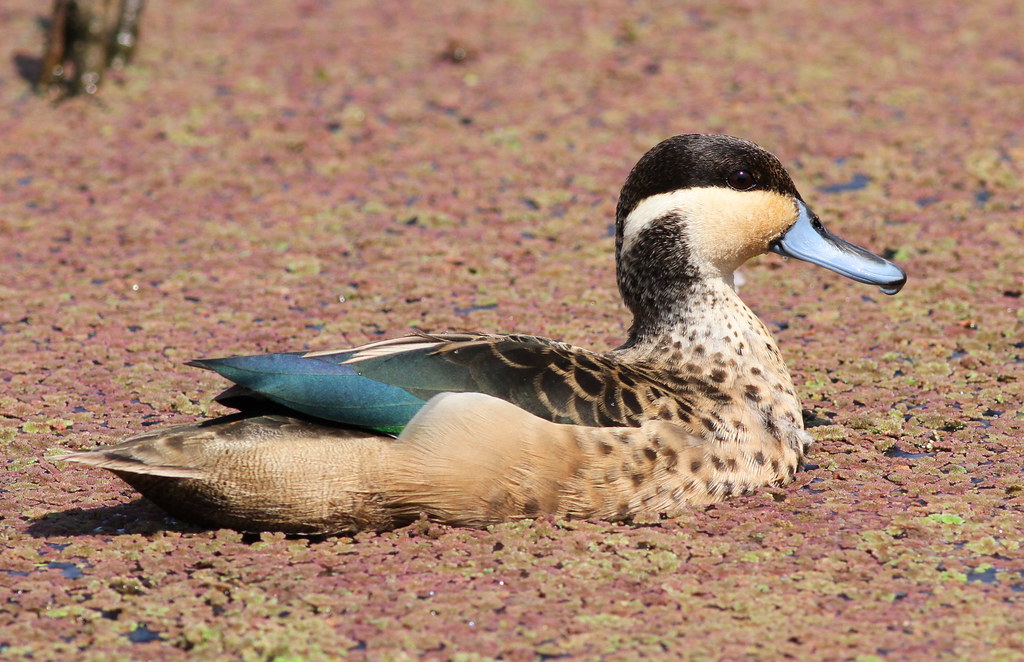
x=712, y=392
x=727, y=488
x=625, y=379
x=591, y=412
x=650, y=454
x=629, y=400
x=531, y=507
x=588, y=363
x=718, y=375
x=658, y=393
x=730, y=464
x=755, y=372
x=665, y=413
x=606, y=419
x=775, y=466
x=752, y=392
x=707, y=423
x=695, y=466
x=759, y=458
x=590, y=383
x=791, y=471
x=671, y=459
x=523, y=356
x=623, y=510
x=605, y=449
x=699, y=350
x=716, y=462
x=557, y=391
x=582, y=411
x=612, y=407
x=638, y=479
x=674, y=381
x=622, y=436
x=499, y=503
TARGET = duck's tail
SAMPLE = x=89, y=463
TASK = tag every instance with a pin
x=261, y=473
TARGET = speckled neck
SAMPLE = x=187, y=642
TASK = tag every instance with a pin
x=710, y=326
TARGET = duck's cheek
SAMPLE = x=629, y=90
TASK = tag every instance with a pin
x=738, y=225
x=730, y=251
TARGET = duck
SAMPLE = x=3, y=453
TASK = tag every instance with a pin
x=475, y=429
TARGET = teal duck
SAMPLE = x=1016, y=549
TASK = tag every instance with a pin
x=478, y=428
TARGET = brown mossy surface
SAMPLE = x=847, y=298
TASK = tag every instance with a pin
x=278, y=176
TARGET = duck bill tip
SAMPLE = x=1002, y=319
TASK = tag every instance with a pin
x=809, y=240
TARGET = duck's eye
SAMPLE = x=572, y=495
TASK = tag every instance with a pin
x=741, y=180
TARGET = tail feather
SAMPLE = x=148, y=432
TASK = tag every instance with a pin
x=264, y=473
x=126, y=462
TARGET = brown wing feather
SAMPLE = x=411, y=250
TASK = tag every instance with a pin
x=554, y=380
x=561, y=382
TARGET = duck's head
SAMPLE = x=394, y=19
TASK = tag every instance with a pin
x=698, y=206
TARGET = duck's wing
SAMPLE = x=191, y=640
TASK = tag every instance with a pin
x=381, y=386
x=330, y=391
